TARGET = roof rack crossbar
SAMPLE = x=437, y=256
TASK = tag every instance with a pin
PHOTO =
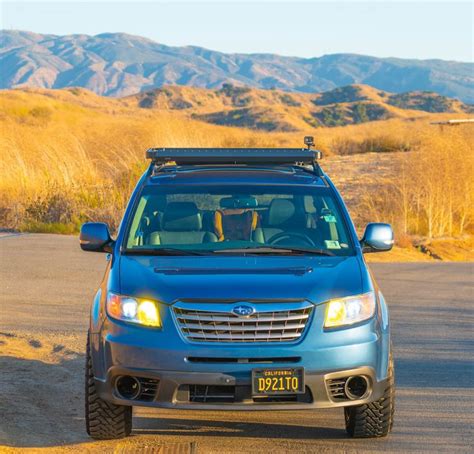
x=207, y=156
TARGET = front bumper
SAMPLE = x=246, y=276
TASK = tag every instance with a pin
x=169, y=360
x=173, y=390
x=176, y=366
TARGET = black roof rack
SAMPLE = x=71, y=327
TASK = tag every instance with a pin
x=160, y=157
x=206, y=156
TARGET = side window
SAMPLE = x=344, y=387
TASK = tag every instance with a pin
x=326, y=220
x=309, y=204
x=135, y=237
x=330, y=215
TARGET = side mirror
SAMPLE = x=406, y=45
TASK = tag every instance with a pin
x=377, y=237
x=95, y=237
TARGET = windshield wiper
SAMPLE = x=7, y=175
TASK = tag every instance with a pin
x=276, y=249
x=165, y=251
x=245, y=250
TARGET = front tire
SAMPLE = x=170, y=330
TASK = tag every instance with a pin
x=373, y=420
x=104, y=420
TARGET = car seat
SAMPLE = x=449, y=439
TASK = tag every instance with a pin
x=182, y=224
x=282, y=216
x=236, y=219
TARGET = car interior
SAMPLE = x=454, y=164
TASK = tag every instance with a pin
x=295, y=220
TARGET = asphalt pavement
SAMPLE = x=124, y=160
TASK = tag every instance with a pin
x=46, y=286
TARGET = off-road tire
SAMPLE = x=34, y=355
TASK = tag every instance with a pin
x=375, y=419
x=104, y=420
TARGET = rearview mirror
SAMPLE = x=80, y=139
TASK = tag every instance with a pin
x=377, y=237
x=242, y=202
x=95, y=237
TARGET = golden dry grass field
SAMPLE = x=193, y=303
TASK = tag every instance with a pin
x=68, y=156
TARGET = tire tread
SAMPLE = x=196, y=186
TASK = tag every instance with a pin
x=104, y=420
x=375, y=419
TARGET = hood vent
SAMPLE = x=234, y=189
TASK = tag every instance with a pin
x=298, y=271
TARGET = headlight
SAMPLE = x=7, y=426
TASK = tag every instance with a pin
x=350, y=310
x=134, y=310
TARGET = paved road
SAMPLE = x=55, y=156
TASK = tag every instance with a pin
x=46, y=284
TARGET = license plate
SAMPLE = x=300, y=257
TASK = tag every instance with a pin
x=278, y=381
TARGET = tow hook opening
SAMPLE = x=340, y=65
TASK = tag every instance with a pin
x=356, y=387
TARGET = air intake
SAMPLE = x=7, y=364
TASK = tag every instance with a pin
x=136, y=388
x=348, y=388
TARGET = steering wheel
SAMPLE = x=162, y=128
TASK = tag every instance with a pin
x=275, y=239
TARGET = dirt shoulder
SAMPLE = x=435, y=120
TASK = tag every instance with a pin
x=446, y=250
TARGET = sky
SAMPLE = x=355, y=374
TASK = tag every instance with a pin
x=423, y=29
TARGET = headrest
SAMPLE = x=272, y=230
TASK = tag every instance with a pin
x=156, y=203
x=280, y=211
x=182, y=216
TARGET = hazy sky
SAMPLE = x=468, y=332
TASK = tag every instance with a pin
x=424, y=29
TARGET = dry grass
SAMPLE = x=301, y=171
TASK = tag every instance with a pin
x=71, y=156
x=432, y=192
x=78, y=160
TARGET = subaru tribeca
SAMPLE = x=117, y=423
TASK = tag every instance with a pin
x=237, y=282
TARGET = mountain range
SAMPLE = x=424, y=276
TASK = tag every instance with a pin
x=118, y=64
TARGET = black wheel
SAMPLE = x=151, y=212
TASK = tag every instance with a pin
x=375, y=419
x=104, y=420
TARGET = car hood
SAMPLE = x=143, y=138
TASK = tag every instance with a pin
x=168, y=279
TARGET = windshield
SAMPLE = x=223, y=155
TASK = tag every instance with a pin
x=248, y=219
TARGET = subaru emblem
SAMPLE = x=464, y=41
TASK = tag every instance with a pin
x=243, y=311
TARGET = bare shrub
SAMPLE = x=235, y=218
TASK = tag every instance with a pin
x=404, y=241
x=433, y=190
x=378, y=144
x=55, y=207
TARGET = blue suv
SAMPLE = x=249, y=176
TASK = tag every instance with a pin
x=237, y=282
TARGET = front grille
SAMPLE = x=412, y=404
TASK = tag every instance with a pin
x=210, y=394
x=214, y=360
x=223, y=326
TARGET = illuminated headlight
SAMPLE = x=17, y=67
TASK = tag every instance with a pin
x=350, y=310
x=133, y=310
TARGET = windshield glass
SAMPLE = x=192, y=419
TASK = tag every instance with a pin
x=237, y=219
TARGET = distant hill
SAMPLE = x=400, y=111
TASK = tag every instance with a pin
x=117, y=64
x=243, y=107
x=275, y=110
